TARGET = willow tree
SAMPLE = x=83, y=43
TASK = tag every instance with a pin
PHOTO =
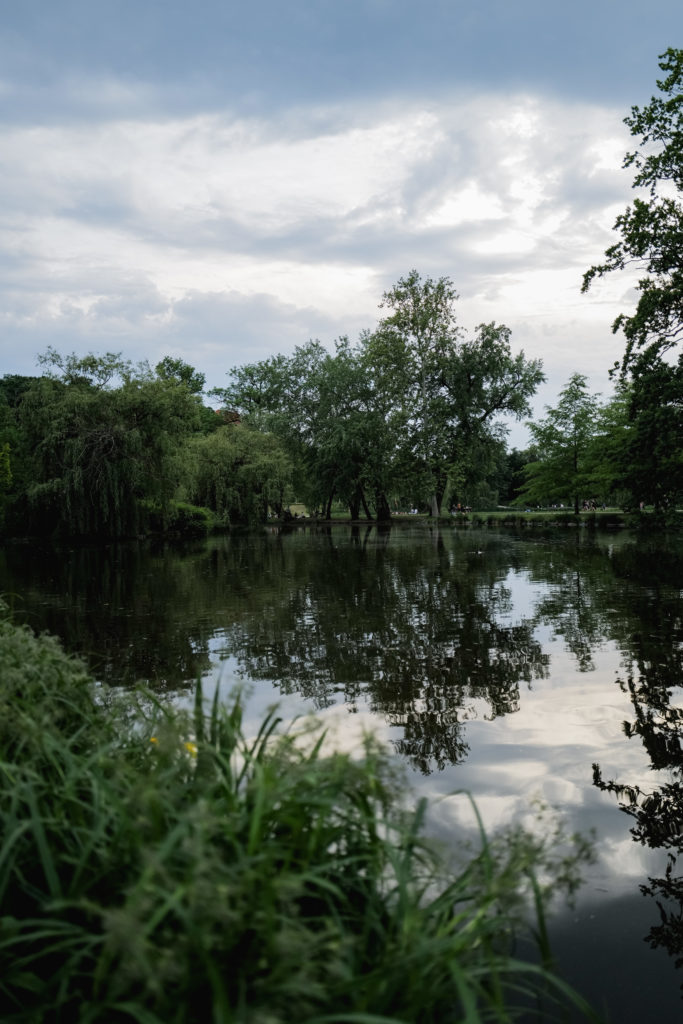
x=238, y=473
x=104, y=435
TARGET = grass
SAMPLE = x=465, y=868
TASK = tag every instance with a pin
x=157, y=867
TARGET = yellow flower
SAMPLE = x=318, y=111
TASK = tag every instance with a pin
x=191, y=748
x=153, y=739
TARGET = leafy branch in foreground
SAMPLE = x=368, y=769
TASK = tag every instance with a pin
x=160, y=866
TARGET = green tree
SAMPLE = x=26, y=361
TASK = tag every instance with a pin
x=651, y=239
x=652, y=457
x=408, y=351
x=564, y=440
x=447, y=392
x=323, y=408
x=178, y=370
x=238, y=473
x=411, y=409
x=16, y=460
x=651, y=228
x=103, y=436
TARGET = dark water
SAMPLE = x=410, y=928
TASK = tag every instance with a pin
x=506, y=664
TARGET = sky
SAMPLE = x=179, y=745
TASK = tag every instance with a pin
x=222, y=181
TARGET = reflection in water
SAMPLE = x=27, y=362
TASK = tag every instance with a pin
x=658, y=810
x=422, y=630
x=475, y=649
x=655, y=658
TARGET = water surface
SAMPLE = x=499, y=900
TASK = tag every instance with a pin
x=504, y=663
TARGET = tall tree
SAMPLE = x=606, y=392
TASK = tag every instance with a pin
x=447, y=391
x=651, y=239
x=322, y=406
x=651, y=228
x=652, y=457
x=238, y=473
x=563, y=440
x=409, y=351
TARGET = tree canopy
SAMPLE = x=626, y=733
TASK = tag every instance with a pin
x=651, y=239
x=651, y=227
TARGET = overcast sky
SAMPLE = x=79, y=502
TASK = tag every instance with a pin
x=221, y=181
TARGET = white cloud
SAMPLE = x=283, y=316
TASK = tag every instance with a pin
x=109, y=230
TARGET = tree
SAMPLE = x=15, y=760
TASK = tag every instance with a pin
x=651, y=228
x=238, y=473
x=98, y=450
x=447, y=392
x=178, y=370
x=411, y=409
x=322, y=407
x=408, y=352
x=563, y=440
x=651, y=239
x=652, y=456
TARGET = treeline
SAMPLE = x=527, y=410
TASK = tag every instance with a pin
x=97, y=447
x=410, y=416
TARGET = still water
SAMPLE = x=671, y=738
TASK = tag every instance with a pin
x=507, y=664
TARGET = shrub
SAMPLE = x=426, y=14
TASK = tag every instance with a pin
x=180, y=518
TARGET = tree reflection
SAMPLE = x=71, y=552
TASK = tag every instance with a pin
x=576, y=598
x=654, y=688
x=418, y=626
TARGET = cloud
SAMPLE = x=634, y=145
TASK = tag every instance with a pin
x=233, y=237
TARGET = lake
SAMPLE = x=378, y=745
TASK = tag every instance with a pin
x=504, y=663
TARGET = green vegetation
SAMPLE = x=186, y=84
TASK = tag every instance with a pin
x=650, y=231
x=409, y=416
x=159, y=866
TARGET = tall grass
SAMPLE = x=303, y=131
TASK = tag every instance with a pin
x=157, y=867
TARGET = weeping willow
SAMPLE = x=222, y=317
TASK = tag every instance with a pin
x=98, y=452
x=239, y=474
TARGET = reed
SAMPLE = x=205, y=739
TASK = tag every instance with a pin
x=160, y=866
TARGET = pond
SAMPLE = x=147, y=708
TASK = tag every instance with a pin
x=516, y=665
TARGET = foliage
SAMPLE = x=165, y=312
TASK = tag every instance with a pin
x=651, y=238
x=179, y=518
x=158, y=868
x=325, y=411
x=652, y=456
x=445, y=392
x=563, y=440
x=651, y=229
x=410, y=410
x=182, y=373
x=238, y=473
x=97, y=449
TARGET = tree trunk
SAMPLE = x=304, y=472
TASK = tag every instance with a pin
x=440, y=481
x=328, y=507
x=383, y=510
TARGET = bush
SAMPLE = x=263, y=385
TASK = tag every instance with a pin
x=179, y=518
x=161, y=867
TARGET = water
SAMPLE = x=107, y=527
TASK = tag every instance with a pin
x=506, y=664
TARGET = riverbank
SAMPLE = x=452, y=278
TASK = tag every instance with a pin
x=600, y=519
x=162, y=866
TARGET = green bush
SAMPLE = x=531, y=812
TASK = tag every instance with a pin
x=157, y=867
x=179, y=518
